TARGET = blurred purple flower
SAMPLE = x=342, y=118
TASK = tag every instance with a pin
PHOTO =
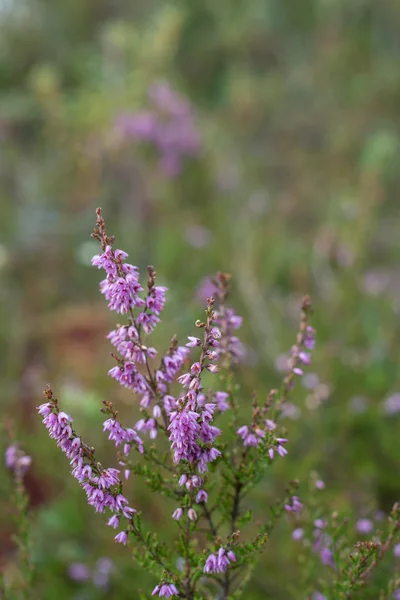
x=78, y=572
x=102, y=573
x=16, y=460
x=295, y=505
x=319, y=523
x=364, y=526
x=297, y=534
x=281, y=363
x=396, y=550
x=206, y=289
x=326, y=557
x=310, y=381
x=391, y=405
x=290, y=411
x=168, y=125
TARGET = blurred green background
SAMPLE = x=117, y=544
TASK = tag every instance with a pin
x=294, y=189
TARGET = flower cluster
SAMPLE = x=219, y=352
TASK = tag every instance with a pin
x=102, y=486
x=168, y=126
x=120, y=435
x=191, y=431
x=218, y=563
x=122, y=290
x=231, y=349
x=295, y=505
x=17, y=460
x=228, y=321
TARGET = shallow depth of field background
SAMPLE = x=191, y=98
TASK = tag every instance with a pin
x=294, y=189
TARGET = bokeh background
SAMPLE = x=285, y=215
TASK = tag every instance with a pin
x=257, y=137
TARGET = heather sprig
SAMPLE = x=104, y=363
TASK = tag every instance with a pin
x=103, y=486
x=365, y=556
x=18, y=462
x=208, y=472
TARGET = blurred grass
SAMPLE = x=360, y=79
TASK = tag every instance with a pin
x=297, y=186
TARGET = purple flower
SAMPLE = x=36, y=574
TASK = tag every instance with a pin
x=319, y=484
x=168, y=126
x=192, y=514
x=119, y=435
x=184, y=431
x=364, y=526
x=201, y=496
x=249, y=437
x=205, y=457
x=211, y=564
x=228, y=322
x=177, y=514
x=278, y=447
x=326, y=557
x=322, y=546
x=193, y=342
x=17, y=460
x=396, y=594
x=396, y=550
x=220, y=562
x=193, y=482
x=122, y=537
x=78, y=572
x=101, y=575
x=297, y=534
x=391, y=405
x=309, y=339
x=305, y=358
x=221, y=401
x=122, y=293
x=166, y=589
x=206, y=289
x=295, y=506
x=319, y=523
x=113, y=521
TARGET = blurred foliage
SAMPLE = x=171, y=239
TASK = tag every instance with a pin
x=296, y=188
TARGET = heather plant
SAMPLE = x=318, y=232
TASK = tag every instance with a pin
x=194, y=446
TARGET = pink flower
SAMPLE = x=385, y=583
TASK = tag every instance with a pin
x=177, y=514
x=192, y=514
